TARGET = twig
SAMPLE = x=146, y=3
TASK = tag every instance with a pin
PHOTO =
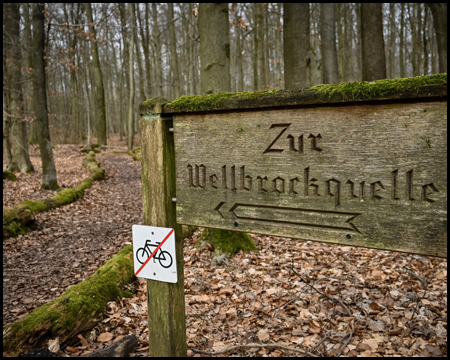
x=425, y=285
x=232, y=348
x=323, y=294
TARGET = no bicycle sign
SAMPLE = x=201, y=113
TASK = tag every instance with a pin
x=154, y=253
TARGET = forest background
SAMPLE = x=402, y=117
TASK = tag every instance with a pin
x=140, y=51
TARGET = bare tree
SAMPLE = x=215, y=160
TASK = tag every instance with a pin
x=130, y=133
x=330, y=70
x=20, y=160
x=439, y=11
x=98, y=76
x=373, y=54
x=40, y=100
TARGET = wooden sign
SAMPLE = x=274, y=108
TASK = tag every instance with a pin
x=372, y=175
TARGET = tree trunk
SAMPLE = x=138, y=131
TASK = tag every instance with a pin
x=425, y=42
x=439, y=11
x=157, y=53
x=139, y=59
x=32, y=134
x=278, y=50
x=330, y=69
x=402, y=41
x=256, y=83
x=296, y=46
x=173, y=53
x=98, y=77
x=214, y=30
x=40, y=101
x=259, y=19
x=373, y=54
x=20, y=160
x=130, y=133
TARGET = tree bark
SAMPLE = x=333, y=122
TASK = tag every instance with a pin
x=130, y=132
x=40, y=101
x=214, y=30
x=402, y=41
x=157, y=52
x=373, y=54
x=439, y=11
x=173, y=53
x=20, y=160
x=296, y=46
x=98, y=77
x=330, y=71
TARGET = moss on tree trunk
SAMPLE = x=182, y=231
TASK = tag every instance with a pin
x=18, y=219
x=78, y=309
x=226, y=243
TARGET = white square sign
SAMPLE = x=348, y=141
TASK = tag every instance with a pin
x=154, y=253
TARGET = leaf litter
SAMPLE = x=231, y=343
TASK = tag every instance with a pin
x=327, y=299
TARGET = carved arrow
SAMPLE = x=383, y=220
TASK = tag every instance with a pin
x=326, y=219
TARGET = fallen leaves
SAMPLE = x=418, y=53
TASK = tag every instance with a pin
x=349, y=301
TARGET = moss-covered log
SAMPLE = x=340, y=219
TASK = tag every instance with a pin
x=18, y=219
x=226, y=243
x=78, y=309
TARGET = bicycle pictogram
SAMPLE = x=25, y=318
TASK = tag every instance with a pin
x=164, y=257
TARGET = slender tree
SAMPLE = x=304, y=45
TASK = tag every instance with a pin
x=296, y=45
x=373, y=54
x=330, y=70
x=98, y=77
x=173, y=52
x=20, y=160
x=130, y=133
x=439, y=12
x=40, y=100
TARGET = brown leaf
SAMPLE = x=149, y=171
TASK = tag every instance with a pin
x=72, y=349
x=263, y=334
x=104, y=337
x=396, y=331
x=82, y=340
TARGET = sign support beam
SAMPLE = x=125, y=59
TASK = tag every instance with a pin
x=165, y=301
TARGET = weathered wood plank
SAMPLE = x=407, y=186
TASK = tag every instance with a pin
x=165, y=301
x=372, y=174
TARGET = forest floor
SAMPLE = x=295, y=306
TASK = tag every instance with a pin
x=323, y=298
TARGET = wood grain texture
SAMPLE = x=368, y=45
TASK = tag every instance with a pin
x=371, y=174
x=165, y=301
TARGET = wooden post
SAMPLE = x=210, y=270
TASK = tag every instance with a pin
x=165, y=301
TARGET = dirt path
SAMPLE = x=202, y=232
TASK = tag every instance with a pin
x=75, y=240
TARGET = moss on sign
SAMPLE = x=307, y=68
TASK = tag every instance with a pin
x=78, y=309
x=414, y=87
x=203, y=102
x=368, y=90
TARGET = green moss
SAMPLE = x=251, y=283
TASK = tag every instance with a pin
x=9, y=175
x=15, y=218
x=203, y=102
x=364, y=89
x=79, y=303
x=227, y=242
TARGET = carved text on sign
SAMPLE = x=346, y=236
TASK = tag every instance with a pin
x=198, y=177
